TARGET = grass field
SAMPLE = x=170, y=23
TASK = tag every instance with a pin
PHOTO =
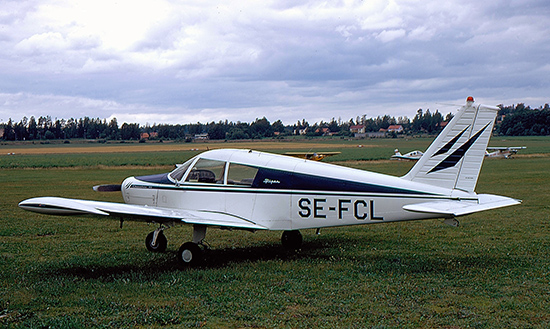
x=29, y=155
x=69, y=272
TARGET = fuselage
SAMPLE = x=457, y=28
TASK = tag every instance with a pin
x=414, y=155
x=283, y=193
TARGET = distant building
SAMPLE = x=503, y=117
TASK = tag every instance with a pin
x=357, y=129
x=201, y=136
x=324, y=131
x=149, y=135
x=395, y=128
x=300, y=131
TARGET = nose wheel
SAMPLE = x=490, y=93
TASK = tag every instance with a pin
x=156, y=241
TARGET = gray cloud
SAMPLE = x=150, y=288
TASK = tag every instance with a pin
x=205, y=61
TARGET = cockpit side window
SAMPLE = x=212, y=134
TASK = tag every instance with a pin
x=241, y=175
x=207, y=171
x=177, y=174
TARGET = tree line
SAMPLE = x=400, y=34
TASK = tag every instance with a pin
x=521, y=120
x=518, y=120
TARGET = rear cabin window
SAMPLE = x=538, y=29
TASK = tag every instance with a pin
x=207, y=171
x=241, y=175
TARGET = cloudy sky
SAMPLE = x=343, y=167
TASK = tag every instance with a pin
x=201, y=61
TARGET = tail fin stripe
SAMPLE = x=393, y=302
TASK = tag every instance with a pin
x=456, y=156
x=450, y=144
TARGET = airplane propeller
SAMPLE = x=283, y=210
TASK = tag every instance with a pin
x=108, y=188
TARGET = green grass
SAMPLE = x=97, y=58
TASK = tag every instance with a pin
x=78, y=272
x=94, y=159
x=373, y=149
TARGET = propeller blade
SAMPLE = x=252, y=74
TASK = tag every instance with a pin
x=107, y=188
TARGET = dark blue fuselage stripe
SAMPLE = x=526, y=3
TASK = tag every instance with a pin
x=273, y=180
x=230, y=189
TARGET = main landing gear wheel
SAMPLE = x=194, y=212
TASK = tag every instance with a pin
x=159, y=245
x=291, y=240
x=190, y=254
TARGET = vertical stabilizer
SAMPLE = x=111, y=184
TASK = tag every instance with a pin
x=454, y=159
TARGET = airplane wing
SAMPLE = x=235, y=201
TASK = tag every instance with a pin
x=462, y=207
x=330, y=153
x=64, y=206
x=312, y=155
x=404, y=157
x=506, y=148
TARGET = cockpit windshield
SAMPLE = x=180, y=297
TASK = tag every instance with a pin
x=177, y=174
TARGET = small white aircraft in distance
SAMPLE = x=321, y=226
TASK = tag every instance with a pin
x=413, y=155
x=316, y=156
x=250, y=190
x=502, y=152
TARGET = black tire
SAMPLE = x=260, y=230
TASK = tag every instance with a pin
x=161, y=244
x=190, y=254
x=291, y=240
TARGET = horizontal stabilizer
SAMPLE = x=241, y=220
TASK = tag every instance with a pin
x=64, y=206
x=462, y=207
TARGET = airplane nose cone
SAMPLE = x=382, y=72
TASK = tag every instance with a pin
x=125, y=188
x=127, y=183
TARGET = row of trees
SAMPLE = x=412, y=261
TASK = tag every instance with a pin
x=88, y=128
x=521, y=120
x=515, y=120
x=44, y=129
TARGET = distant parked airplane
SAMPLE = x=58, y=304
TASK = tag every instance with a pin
x=414, y=155
x=502, y=152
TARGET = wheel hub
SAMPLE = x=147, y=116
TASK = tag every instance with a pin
x=187, y=256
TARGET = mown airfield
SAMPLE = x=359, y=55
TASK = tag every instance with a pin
x=79, y=272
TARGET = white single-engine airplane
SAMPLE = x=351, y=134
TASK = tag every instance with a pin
x=502, y=152
x=413, y=155
x=250, y=190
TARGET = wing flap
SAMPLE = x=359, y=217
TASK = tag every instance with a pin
x=64, y=206
x=463, y=207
